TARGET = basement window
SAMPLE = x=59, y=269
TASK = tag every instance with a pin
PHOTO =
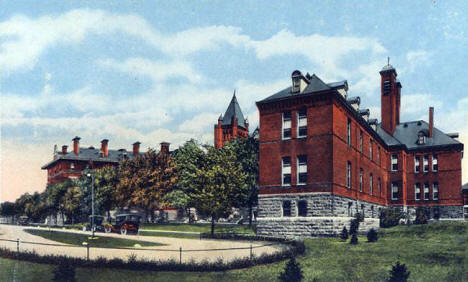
x=302, y=208
x=286, y=208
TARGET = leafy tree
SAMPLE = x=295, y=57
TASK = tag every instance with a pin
x=56, y=195
x=292, y=272
x=390, y=217
x=71, y=202
x=372, y=235
x=106, y=180
x=220, y=184
x=344, y=234
x=399, y=273
x=247, y=152
x=8, y=209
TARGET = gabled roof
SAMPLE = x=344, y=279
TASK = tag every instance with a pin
x=234, y=111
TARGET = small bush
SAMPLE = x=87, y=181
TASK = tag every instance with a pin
x=292, y=272
x=390, y=217
x=399, y=273
x=354, y=226
x=64, y=272
x=354, y=239
x=344, y=234
x=372, y=236
x=421, y=216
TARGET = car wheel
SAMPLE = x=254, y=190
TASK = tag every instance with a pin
x=123, y=231
x=107, y=230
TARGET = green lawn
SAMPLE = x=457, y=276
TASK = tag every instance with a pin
x=198, y=227
x=171, y=235
x=435, y=252
x=78, y=239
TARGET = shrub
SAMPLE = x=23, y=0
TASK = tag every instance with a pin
x=292, y=272
x=390, y=217
x=344, y=234
x=354, y=239
x=354, y=226
x=421, y=216
x=372, y=236
x=399, y=273
x=64, y=272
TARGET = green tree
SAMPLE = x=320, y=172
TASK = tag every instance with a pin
x=105, y=183
x=8, y=209
x=292, y=272
x=55, y=197
x=71, y=202
x=399, y=273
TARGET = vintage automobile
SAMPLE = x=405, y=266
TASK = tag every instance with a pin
x=23, y=220
x=124, y=224
x=98, y=226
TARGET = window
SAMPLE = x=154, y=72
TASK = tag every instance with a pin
x=387, y=86
x=302, y=123
x=296, y=85
x=417, y=191
x=394, y=162
x=370, y=148
x=426, y=163
x=435, y=164
x=302, y=208
x=286, y=171
x=371, y=183
x=417, y=166
x=286, y=125
x=72, y=166
x=348, y=139
x=348, y=175
x=286, y=208
x=301, y=170
x=394, y=191
x=378, y=155
x=421, y=138
x=360, y=180
x=360, y=141
x=426, y=191
x=435, y=191
x=379, y=185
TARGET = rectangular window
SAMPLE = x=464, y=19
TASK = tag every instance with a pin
x=302, y=208
x=435, y=164
x=371, y=183
x=378, y=155
x=72, y=166
x=426, y=163
x=348, y=135
x=302, y=170
x=286, y=208
x=394, y=162
x=435, y=191
x=417, y=166
x=394, y=191
x=360, y=180
x=286, y=125
x=360, y=141
x=348, y=175
x=379, y=186
x=286, y=171
x=302, y=123
x=370, y=149
x=417, y=191
x=426, y=191
x=387, y=86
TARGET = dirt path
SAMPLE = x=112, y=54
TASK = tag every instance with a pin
x=162, y=253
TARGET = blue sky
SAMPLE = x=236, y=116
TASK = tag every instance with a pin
x=164, y=70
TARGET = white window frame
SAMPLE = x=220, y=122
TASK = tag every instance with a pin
x=394, y=190
x=348, y=174
x=394, y=161
x=435, y=189
x=426, y=163
x=304, y=121
x=72, y=165
x=348, y=133
x=360, y=179
x=283, y=127
x=417, y=164
x=300, y=169
x=371, y=151
x=284, y=170
x=435, y=163
x=417, y=191
x=426, y=189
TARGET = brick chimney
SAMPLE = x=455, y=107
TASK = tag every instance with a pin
x=104, y=150
x=165, y=147
x=76, y=145
x=431, y=121
x=64, y=149
x=136, y=148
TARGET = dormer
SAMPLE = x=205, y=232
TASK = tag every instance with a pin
x=354, y=102
x=422, y=135
x=299, y=82
x=365, y=113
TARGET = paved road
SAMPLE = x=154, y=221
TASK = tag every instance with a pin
x=14, y=232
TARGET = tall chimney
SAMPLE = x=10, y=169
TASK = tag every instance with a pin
x=76, y=145
x=104, y=150
x=431, y=121
x=136, y=148
x=165, y=147
x=64, y=149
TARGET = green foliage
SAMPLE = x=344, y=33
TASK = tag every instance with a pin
x=421, y=216
x=354, y=225
x=372, y=236
x=354, y=239
x=390, y=217
x=106, y=180
x=64, y=272
x=8, y=209
x=292, y=272
x=399, y=273
x=344, y=234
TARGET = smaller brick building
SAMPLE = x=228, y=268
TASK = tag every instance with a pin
x=232, y=125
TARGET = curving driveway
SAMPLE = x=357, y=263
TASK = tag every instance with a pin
x=157, y=253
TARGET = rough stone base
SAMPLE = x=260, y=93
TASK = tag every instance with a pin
x=310, y=226
x=437, y=212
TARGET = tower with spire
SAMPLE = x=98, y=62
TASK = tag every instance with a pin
x=232, y=125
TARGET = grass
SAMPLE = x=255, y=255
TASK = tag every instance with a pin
x=171, y=235
x=78, y=239
x=198, y=227
x=434, y=252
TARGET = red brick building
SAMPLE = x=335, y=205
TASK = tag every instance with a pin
x=232, y=125
x=322, y=159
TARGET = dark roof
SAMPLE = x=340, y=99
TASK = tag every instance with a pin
x=95, y=155
x=406, y=134
x=234, y=111
x=315, y=85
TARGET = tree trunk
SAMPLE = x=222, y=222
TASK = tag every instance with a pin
x=250, y=215
x=189, y=216
x=108, y=216
x=212, y=225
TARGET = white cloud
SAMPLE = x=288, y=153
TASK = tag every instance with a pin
x=416, y=106
x=199, y=123
x=417, y=58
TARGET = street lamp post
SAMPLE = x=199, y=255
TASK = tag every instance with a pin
x=92, y=203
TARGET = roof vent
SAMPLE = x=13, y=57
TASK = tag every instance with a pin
x=405, y=125
x=91, y=147
x=419, y=123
